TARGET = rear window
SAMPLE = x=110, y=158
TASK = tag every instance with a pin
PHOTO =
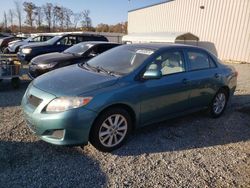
x=200, y=60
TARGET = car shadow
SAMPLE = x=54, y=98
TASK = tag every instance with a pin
x=38, y=164
x=9, y=96
x=193, y=131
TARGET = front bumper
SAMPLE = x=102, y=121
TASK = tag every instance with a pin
x=71, y=127
x=35, y=72
x=24, y=58
x=11, y=50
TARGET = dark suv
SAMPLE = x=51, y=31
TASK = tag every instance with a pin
x=56, y=44
x=79, y=53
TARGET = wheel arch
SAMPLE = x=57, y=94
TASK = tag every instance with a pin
x=226, y=88
x=127, y=107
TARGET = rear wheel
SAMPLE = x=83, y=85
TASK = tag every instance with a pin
x=219, y=103
x=111, y=129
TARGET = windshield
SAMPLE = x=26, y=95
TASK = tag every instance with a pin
x=123, y=59
x=53, y=40
x=79, y=49
x=29, y=39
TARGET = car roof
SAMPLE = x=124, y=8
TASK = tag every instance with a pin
x=157, y=46
x=98, y=42
x=81, y=34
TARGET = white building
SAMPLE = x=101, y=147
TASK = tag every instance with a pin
x=223, y=23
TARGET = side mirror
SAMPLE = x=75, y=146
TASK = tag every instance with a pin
x=152, y=74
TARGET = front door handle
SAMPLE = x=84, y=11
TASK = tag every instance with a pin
x=216, y=75
x=185, y=81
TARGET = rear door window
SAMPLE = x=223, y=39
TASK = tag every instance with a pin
x=68, y=41
x=199, y=60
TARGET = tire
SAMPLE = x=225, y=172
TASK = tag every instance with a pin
x=17, y=49
x=219, y=103
x=111, y=129
x=15, y=82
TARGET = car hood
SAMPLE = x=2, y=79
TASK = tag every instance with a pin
x=36, y=44
x=73, y=81
x=18, y=43
x=53, y=57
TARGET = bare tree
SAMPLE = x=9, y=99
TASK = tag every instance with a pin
x=29, y=8
x=56, y=16
x=48, y=12
x=86, y=22
x=68, y=14
x=11, y=18
x=18, y=7
x=5, y=21
x=76, y=18
x=39, y=16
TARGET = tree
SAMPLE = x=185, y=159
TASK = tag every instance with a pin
x=29, y=8
x=76, y=18
x=18, y=7
x=5, y=21
x=86, y=22
x=39, y=16
x=56, y=16
x=68, y=13
x=102, y=28
x=48, y=12
x=11, y=18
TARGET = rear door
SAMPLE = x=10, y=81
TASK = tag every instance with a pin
x=203, y=77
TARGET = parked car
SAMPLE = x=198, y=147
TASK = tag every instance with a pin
x=13, y=47
x=3, y=35
x=6, y=40
x=127, y=87
x=56, y=44
x=78, y=53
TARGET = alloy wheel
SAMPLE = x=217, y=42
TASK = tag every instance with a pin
x=113, y=130
x=219, y=103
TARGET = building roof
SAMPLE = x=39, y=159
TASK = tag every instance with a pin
x=166, y=1
x=170, y=37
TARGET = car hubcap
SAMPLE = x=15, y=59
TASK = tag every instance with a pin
x=219, y=103
x=113, y=130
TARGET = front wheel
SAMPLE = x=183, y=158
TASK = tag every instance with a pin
x=219, y=103
x=111, y=129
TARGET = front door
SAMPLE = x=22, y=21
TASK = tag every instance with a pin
x=161, y=98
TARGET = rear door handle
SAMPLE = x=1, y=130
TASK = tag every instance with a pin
x=185, y=81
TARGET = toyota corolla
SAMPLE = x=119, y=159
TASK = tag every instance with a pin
x=127, y=87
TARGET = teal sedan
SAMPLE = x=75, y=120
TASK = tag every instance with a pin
x=127, y=87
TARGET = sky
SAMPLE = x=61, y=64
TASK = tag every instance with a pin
x=101, y=11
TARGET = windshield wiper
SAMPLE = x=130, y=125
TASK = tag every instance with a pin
x=100, y=69
x=91, y=67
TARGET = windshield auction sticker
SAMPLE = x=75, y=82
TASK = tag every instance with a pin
x=144, y=51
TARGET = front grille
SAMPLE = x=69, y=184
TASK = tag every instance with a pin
x=34, y=101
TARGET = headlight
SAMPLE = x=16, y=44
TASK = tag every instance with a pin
x=26, y=50
x=66, y=103
x=46, y=66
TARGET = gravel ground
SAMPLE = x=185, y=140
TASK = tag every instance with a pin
x=192, y=151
